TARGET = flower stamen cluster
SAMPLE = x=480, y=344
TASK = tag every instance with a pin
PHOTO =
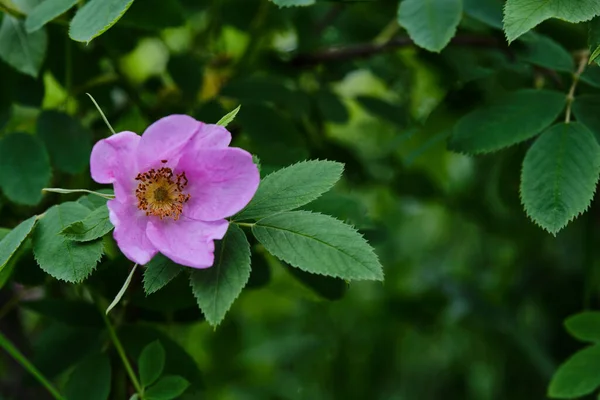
x=160, y=193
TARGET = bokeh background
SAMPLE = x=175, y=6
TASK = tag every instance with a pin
x=475, y=294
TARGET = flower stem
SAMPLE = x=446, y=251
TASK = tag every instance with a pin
x=21, y=359
x=122, y=291
x=102, y=114
x=119, y=347
x=571, y=95
x=69, y=191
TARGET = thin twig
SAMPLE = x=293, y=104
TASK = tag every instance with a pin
x=583, y=61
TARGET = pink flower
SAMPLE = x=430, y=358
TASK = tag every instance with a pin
x=174, y=187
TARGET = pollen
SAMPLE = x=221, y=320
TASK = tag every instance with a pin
x=161, y=193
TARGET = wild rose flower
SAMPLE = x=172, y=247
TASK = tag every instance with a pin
x=174, y=187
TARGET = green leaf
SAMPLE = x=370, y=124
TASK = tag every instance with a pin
x=159, y=272
x=226, y=120
x=487, y=11
x=167, y=388
x=92, y=201
x=14, y=239
x=151, y=363
x=594, y=39
x=91, y=379
x=68, y=312
x=318, y=244
x=430, y=23
x=584, y=326
x=292, y=3
x=292, y=187
x=585, y=109
x=217, y=287
x=514, y=118
x=96, y=17
x=62, y=258
x=578, y=376
x=331, y=107
x=591, y=76
x=67, y=141
x=545, y=52
x=24, y=168
x=23, y=51
x=94, y=226
x=45, y=12
x=522, y=15
x=559, y=175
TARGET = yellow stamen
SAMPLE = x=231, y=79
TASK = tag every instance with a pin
x=161, y=193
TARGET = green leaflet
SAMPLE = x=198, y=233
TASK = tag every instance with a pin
x=167, y=388
x=514, y=118
x=151, y=363
x=318, y=244
x=585, y=109
x=594, y=39
x=45, y=12
x=96, y=17
x=578, y=376
x=430, y=23
x=67, y=141
x=545, y=52
x=487, y=11
x=522, y=15
x=216, y=288
x=227, y=119
x=159, y=272
x=23, y=51
x=60, y=257
x=559, y=175
x=90, y=380
x=292, y=187
x=584, y=326
x=14, y=239
x=94, y=226
x=24, y=168
x=292, y=3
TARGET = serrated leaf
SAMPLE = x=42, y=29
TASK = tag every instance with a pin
x=151, y=363
x=167, y=388
x=559, y=175
x=68, y=142
x=159, y=272
x=60, y=257
x=94, y=226
x=227, y=119
x=430, y=23
x=318, y=244
x=585, y=109
x=24, y=168
x=522, y=15
x=23, y=51
x=584, y=326
x=92, y=201
x=216, y=288
x=96, y=17
x=545, y=52
x=594, y=39
x=293, y=3
x=514, y=118
x=45, y=12
x=578, y=376
x=90, y=380
x=14, y=239
x=292, y=187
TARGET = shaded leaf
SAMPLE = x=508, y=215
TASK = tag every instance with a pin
x=216, y=288
x=68, y=312
x=487, y=11
x=23, y=51
x=318, y=244
x=45, y=12
x=545, y=52
x=559, y=175
x=14, y=239
x=151, y=363
x=168, y=388
x=24, y=168
x=96, y=17
x=159, y=272
x=584, y=326
x=94, y=226
x=578, y=376
x=594, y=39
x=585, y=109
x=90, y=380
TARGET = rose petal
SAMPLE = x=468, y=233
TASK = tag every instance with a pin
x=164, y=140
x=209, y=136
x=187, y=242
x=113, y=161
x=220, y=182
x=130, y=231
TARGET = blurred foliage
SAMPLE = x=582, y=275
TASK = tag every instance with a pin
x=474, y=294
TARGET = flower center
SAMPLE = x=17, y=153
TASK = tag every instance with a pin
x=161, y=193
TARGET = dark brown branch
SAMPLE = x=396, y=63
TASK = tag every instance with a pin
x=369, y=49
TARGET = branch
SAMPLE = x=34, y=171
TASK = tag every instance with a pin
x=363, y=50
